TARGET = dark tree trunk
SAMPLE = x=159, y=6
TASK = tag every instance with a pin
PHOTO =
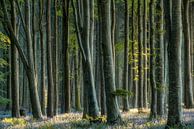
x=14, y=68
x=159, y=61
x=140, y=57
x=174, y=54
x=153, y=112
x=126, y=58
x=65, y=44
x=50, y=102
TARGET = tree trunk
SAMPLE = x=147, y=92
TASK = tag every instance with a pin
x=43, y=67
x=153, y=112
x=50, y=102
x=113, y=114
x=174, y=54
x=188, y=92
x=126, y=58
x=14, y=68
x=159, y=61
x=140, y=56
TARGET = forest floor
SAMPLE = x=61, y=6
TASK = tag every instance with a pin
x=132, y=120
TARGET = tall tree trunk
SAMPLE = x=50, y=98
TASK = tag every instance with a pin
x=153, y=112
x=145, y=101
x=43, y=60
x=174, y=54
x=188, y=91
x=113, y=114
x=55, y=59
x=14, y=68
x=65, y=45
x=126, y=57
x=167, y=18
x=50, y=102
x=36, y=110
x=135, y=88
x=140, y=55
x=87, y=64
x=159, y=61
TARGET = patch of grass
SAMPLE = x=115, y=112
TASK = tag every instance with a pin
x=15, y=121
x=47, y=126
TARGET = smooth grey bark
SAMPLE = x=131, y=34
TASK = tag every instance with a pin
x=101, y=69
x=93, y=110
x=135, y=87
x=159, y=60
x=43, y=60
x=77, y=81
x=55, y=59
x=188, y=84
x=36, y=110
x=50, y=98
x=140, y=57
x=174, y=54
x=113, y=114
x=167, y=18
x=14, y=68
x=113, y=26
x=126, y=57
x=153, y=112
x=145, y=58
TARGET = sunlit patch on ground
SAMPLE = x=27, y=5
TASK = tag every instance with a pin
x=132, y=120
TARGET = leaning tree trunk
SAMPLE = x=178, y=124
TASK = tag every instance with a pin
x=174, y=54
x=113, y=114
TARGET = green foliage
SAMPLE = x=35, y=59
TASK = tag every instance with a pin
x=4, y=101
x=122, y=92
x=47, y=126
x=15, y=121
x=100, y=119
x=4, y=41
x=3, y=63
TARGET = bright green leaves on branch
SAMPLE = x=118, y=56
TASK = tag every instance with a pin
x=4, y=41
x=122, y=93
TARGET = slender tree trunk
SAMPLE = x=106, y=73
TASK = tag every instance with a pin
x=159, y=61
x=188, y=91
x=145, y=86
x=126, y=57
x=43, y=67
x=55, y=59
x=135, y=88
x=50, y=102
x=14, y=68
x=65, y=45
x=140, y=55
x=153, y=112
